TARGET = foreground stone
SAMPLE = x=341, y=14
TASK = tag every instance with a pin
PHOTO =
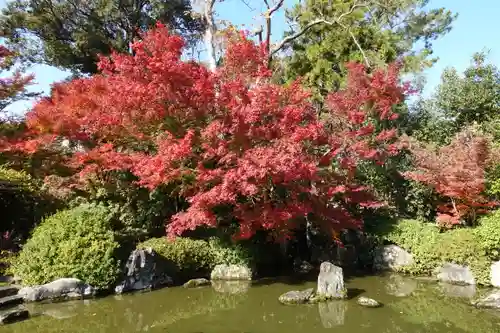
x=13, y=315
x=455, y=274
x=231, y=272
x=331, y=282
x=297, y=297
x=391, y=257
x=8, y=291
x=144, y=270
x=491, y=301
x=193, y=283
x=368, y=302
x=10, y=301
x=61, y=289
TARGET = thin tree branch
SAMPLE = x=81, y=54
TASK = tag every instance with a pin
x=270, y=11
x=314, y=23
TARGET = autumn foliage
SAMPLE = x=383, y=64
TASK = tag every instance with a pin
x=456, y=172
x=229, y=138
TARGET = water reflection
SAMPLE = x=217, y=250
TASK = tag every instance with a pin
x=332, y=313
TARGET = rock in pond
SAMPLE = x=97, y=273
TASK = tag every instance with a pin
x=144, y=270
x=491, y=301
x=231, y=272
x=8, y=291
x=331, y=282
x=296, y=297
x=391, y=257
x=13, y=315
x=455, y=274
x=193, y=283
x=10, y=301
x=60, y=289
x=368, y=302
x=495, y=274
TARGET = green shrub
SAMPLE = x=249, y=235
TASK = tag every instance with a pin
x=194, y=257
x=431, y=248
x=487, y=234
x=77, y=242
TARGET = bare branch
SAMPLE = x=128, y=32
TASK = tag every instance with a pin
x=248, y=5
x=314, y=23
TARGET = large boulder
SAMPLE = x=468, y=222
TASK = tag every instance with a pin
x=296, y=297
x=331, y=282
x=61, y=289
x=144, y=270
x=455, y=274
x=495, y=274
x=8, y=291
x=391, y=257
x=231, y=272
x=13, y=315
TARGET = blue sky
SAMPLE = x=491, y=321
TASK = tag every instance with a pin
x=475, y=29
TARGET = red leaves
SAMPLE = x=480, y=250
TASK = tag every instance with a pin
x=457, y=172
x=231, y=137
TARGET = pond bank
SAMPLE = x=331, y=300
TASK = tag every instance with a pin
x=409, y=305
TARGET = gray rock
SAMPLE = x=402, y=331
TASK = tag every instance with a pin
x=8, y=291
x=193, y=283
x=368, y=302
x=61, y=289
x=144, y=270
x=296, y=297
x=332, y=313
x=331, y=282
x=13, y=315
x=231, y=287
x=10, y=301
x=400, y=286
x=455, y=274
x=453, y=290
x=391, y=257
x=495, y=274
x=491, y=301
x=231, y=272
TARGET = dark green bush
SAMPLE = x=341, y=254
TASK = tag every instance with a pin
x=476, y=247
x=77, y=242
x=195, y=257
x=22, y=204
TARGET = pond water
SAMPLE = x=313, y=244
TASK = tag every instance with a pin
x=238, y=308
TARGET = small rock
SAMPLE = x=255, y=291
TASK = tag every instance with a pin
x=8, y=291
x=331, y=282
x=491, y=301
x=13, y=315
x=10, y=301
x=193, y=283
x=60, y=289
x=368, y=302
x=231, y=272
x=296, y=297
x=391, y=257
x=455, y=274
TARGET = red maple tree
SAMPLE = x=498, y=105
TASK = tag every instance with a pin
x=231, y=138
x=456, y=172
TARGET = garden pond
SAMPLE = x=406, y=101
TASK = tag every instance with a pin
x=409, y=306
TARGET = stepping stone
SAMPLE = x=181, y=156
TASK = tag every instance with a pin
x=8, y=291
x=10, y=301
x=13, y=315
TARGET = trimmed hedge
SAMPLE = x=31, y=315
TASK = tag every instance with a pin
x=194, y=257
x=476, y=247
x=77, y=242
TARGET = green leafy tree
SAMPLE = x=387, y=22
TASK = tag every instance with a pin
x=328, y=33
x=70, y=34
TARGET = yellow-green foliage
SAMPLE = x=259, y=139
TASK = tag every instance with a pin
x=476, y=247
x=194, y=256
x=77, y=242
x=16, y=179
